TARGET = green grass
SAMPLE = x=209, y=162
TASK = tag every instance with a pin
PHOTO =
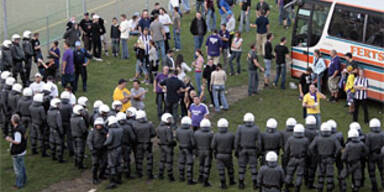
x=102, y=80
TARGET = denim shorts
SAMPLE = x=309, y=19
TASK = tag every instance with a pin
x=141, y=68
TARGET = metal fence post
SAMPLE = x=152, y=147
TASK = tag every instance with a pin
x=84, y=6
x=47, y=31
x=67, y=8
x=5, y=22
x=147, y=4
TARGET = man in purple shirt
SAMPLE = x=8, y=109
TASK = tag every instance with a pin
x=160, y=100
x=213, y=47
x=334, y=76
x=197, y=112
x=68, y=69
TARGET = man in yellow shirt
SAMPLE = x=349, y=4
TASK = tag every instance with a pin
x=122, y=94
x=311, y=102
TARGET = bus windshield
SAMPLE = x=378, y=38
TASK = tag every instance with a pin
x=310, y=23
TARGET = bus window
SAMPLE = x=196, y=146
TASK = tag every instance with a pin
x=301, y=36
x=347, y=24
x=375, y=31
x=319, y=16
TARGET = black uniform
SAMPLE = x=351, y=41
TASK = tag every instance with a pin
x=86, y=26
x=166, y=144
x=113, y=144
x=18, y=57
x=312, y=160
x=23, y=109
x=128, y=143
x=296, y=153
x=6, y=59
x=271, y=140
x=354, y=151
x=56, y=133
x=145, y=132
x=203, y=138
x=271, y=177
x=287, y=133
x=327, y=148
x=223, y=143
x=96, y=31
x=5, y=110
x=247, y=145
x=339, y=163
x=28, y=52
x=13, y=98
x=79, y=134
x=66, y=113
x=39, y=127
x=95, y=141
x=80, y=57
x=184, y=135
x=375, y=141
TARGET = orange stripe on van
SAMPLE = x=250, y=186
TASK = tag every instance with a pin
x=302, y=57
x=375, y=95
x=356, y=58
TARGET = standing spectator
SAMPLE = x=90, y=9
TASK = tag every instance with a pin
x=86, y=26
x=174, y=4
x=122, y=94
x=153, y=60
x=224, y=10
x=245, y=6
x=361, y=87
x=200, y=6
x=54, y=52
x=144, y=42
x=169, y=61
x=137, y=95
x=155, y=10
x=211, y=15
x=124, y=36
x=224, y=35
x=207, y=73
x=282, y=53
x=262, y=24
x=186, y=6
x=213, y=47
x=36, y=47
x=284, y=14
x=166, y=21
x=176, y=19
x=115, y=37
x=349, y=88
x=134, y=23
x=334, y=76
x=54, y=90
x=197, y=112
x=81, y=61
x=237, y=42
x=97, y=31
x=262, y=6
x=305, y=82
x=253, y=66
x=158, y=35
x=231, y=25
x=198, y=64
x=145, y=21
x=37, y=85
x=72, y=35
x=198, y=29
x=50, y=67
x=218, y=79
x=68, y=71
x=311, y=102
x=351, y=62
x=268, y=56
x=181, y=67
x=141, y=67
x=318, y=67
x=174, y=87
x=160, y=97
x=18, y=143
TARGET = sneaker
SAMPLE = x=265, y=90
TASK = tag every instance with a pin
x=98, y=59
x=210, y=105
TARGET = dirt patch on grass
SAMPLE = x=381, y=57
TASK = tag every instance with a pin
x=82, y=183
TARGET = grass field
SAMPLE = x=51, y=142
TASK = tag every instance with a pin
x=103, y=78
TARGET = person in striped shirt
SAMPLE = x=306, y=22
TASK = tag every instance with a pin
x=361, y=87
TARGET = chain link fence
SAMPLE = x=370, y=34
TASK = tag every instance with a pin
x=50, y=17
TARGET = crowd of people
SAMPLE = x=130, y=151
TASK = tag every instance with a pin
x=52, y=123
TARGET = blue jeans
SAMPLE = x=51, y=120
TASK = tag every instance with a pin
x=211, y=15
x=237, y=55
x=176, y=38
x=186, y=5
x=223, y=19
x=115, y=46
x=198, y=82
x=198, y=41
x=219, y=93
x=319, y=77
x=284, y=14
x=267, y=71
x=124, y=49
x=19, y=169
x=243, y=17
x=160, y=45
x=318, y=119
x=281, y=69
x=253, y=82
x=200, y=4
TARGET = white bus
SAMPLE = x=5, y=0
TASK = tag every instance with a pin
x=355, y=26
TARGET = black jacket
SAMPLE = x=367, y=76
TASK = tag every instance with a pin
x=194, y=27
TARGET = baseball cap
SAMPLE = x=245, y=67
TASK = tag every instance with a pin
x=38, y=75
x=77, y=43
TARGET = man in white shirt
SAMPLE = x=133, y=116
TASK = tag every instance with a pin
x=54, y=91
x=124, y=36
x=37, y=85
x=166, y=21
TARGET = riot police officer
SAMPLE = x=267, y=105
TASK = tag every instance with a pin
x=310, y=132
x=129, y=138
x=247, y=146
x=287, y=133
x=23, y=108
x=13, y=97
x=223, y=143
x=39, y=119
x=28, y=52
x=18, y=57
x=4, y=104
x=96, y=106
x=6, y=58
x=95, y=141
x=66, y=113
x=83, y=101
x=56, y=131
x=271, y=139
x=271, y=175
x=79, y=134
x=166, y=144
x=203, y=138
